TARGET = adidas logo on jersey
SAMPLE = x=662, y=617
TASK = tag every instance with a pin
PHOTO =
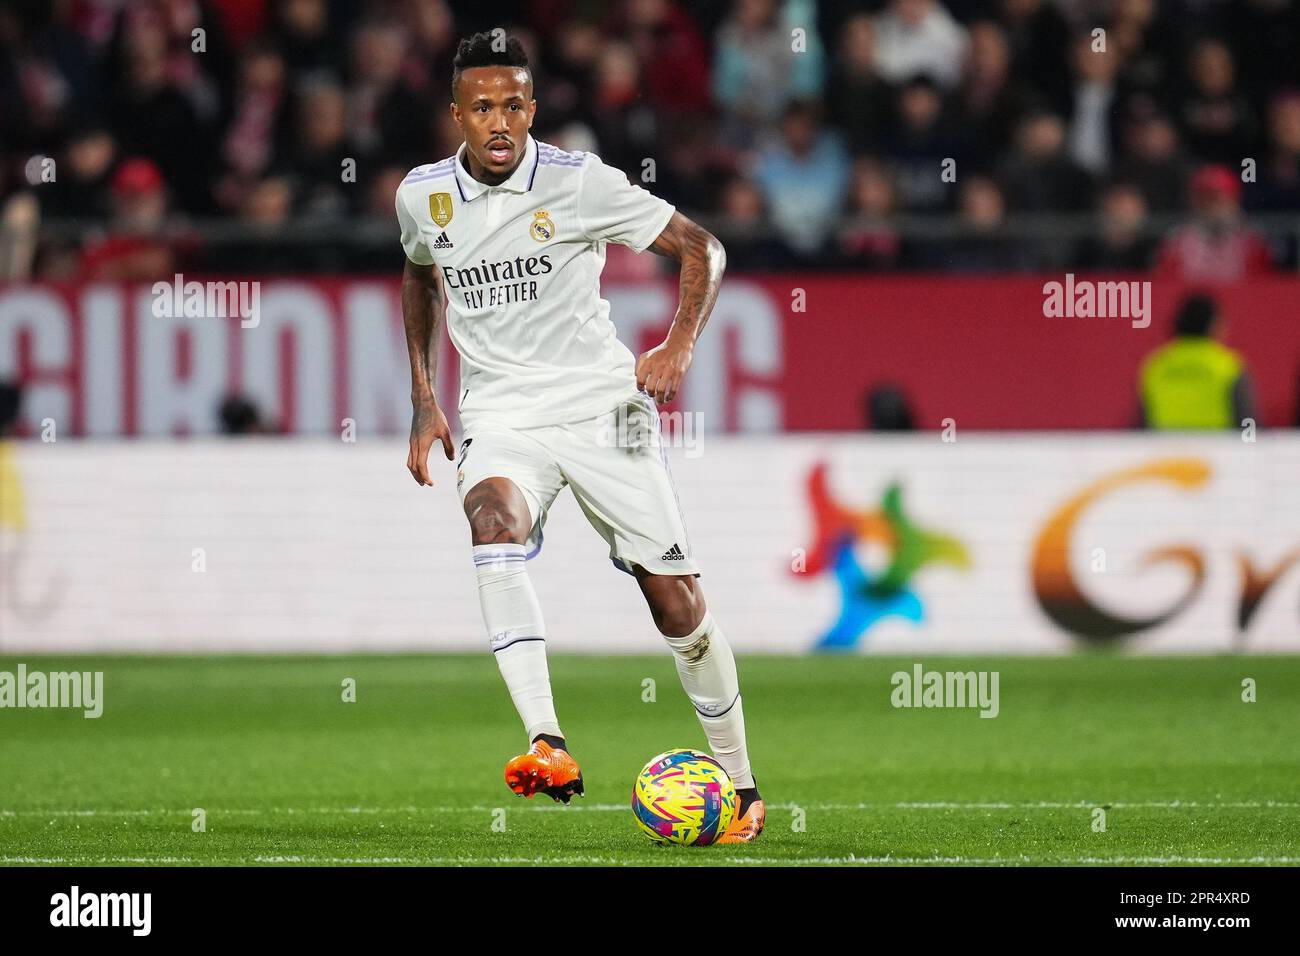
x=442, y=242
x=673, y=554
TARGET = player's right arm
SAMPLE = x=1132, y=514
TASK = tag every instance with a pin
x=422, y=316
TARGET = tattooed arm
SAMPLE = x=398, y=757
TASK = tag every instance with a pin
x=422, y=315
x=660, y=371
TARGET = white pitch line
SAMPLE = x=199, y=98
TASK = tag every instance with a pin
x=619, y=807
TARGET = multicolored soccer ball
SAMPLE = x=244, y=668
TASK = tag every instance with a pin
x=685, y=797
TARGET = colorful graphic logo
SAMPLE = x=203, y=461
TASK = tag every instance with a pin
x=1061, y=596
x=868, y=596
x=1055, y=587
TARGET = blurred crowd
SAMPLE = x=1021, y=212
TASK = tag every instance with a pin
x=808, y=135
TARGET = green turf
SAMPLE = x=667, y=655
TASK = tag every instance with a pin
x=411, y=772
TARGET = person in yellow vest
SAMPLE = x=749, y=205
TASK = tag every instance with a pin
x=1193, y=381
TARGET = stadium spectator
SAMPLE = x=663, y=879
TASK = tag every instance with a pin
x=154, y=116
x=306, y=36
x=244, y=20
x=81, y=189
x=804, y=175
x=430, y=31
x=46, y=76
x=135, y=248
x=1268, y=33
x=1148, y=46
x=671, y=52
x=572, y=55
x=626, y=124
x=745, y=229
x=1218, y=122
x=383, y=103
x=1278, y=185
x=690, y=165
x=915, y=37
x=981, y=244
x=1193, y=381
x=267, y=244
x=1092, y=104
x=869, y=238
x=1039, y=175
x=255, y=134
x=1215, y=246
x=321, y=146
x=755, y=50
x=20, y=216
x=1154, y=162
x=865, y=100
x=1039, y=40
x=923, y=139
x=987, y=100
x=1122, y=242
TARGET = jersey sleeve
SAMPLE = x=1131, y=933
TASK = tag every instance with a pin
x=415, y=248
x=614, y=210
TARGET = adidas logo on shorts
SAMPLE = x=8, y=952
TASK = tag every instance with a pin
x=442, y=242
x=673, y=554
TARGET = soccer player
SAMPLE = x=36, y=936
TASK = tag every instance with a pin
x=509, y=237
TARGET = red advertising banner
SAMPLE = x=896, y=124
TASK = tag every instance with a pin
x=797, y=352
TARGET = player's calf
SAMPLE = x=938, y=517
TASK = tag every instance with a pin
x=707, y=669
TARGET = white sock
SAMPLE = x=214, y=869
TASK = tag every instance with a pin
x=707, y=669
x=516, y=633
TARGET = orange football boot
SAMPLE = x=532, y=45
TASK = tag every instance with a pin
x=547, y=770
x=745, y=829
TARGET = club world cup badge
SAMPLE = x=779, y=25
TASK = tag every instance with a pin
x=542, y=228
x=440, y=208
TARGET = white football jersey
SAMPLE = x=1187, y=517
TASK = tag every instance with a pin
x=520, y=265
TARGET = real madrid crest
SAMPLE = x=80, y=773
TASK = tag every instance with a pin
x=440, y=208
x=542, y=228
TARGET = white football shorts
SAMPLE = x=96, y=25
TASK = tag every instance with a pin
x=616, y=465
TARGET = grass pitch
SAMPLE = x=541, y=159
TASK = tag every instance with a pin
x=286, y=772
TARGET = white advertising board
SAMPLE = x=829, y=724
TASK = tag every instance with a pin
x=1034, y=544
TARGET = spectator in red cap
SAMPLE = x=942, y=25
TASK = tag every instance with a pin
x=1215, y=246
x=137, y=177
x=134, y=249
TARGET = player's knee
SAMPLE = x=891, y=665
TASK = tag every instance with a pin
x=677, y=613
x=495, y=520
x=496, y=526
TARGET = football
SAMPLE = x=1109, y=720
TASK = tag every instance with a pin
x=683, y=797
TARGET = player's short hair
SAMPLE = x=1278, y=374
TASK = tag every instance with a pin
x=487, y=49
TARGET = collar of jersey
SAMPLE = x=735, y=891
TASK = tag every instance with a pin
x=520, y=181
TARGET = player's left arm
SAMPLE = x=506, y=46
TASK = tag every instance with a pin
x=660, y=371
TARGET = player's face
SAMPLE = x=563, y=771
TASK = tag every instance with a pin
x=494, y=108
